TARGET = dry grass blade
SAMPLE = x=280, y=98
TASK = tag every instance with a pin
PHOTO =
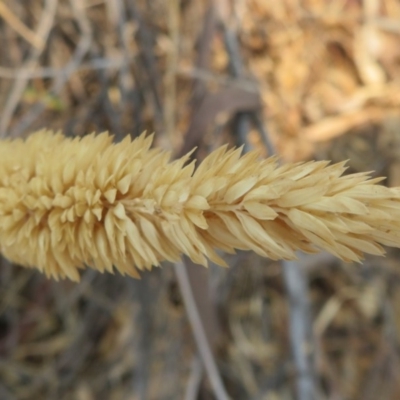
x=20, y=27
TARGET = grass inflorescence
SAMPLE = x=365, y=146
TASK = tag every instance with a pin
x=70, y=203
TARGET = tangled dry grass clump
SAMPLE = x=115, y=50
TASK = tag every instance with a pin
x=66, y=203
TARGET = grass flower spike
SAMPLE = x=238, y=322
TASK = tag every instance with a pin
x=70, y=203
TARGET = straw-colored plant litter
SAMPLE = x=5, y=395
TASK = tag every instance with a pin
x=66, y=203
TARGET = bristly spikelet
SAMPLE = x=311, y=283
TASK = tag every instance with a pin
x=67, y=203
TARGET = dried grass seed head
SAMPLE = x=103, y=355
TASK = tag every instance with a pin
x=67, y=203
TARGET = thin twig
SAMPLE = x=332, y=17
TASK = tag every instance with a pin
x=300, y=328
x=196, y=374
x=148, y=65
x=15, y=23
x=199, y=334
x=143, y=346
x=203, y=55
x=204, y=75
x=170, y=74
x=49, y=72
x=265, y=137
x=236, y=68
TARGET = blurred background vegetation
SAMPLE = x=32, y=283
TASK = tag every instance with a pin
x=315, y=79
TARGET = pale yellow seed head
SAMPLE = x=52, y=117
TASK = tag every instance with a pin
x=70, y=203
